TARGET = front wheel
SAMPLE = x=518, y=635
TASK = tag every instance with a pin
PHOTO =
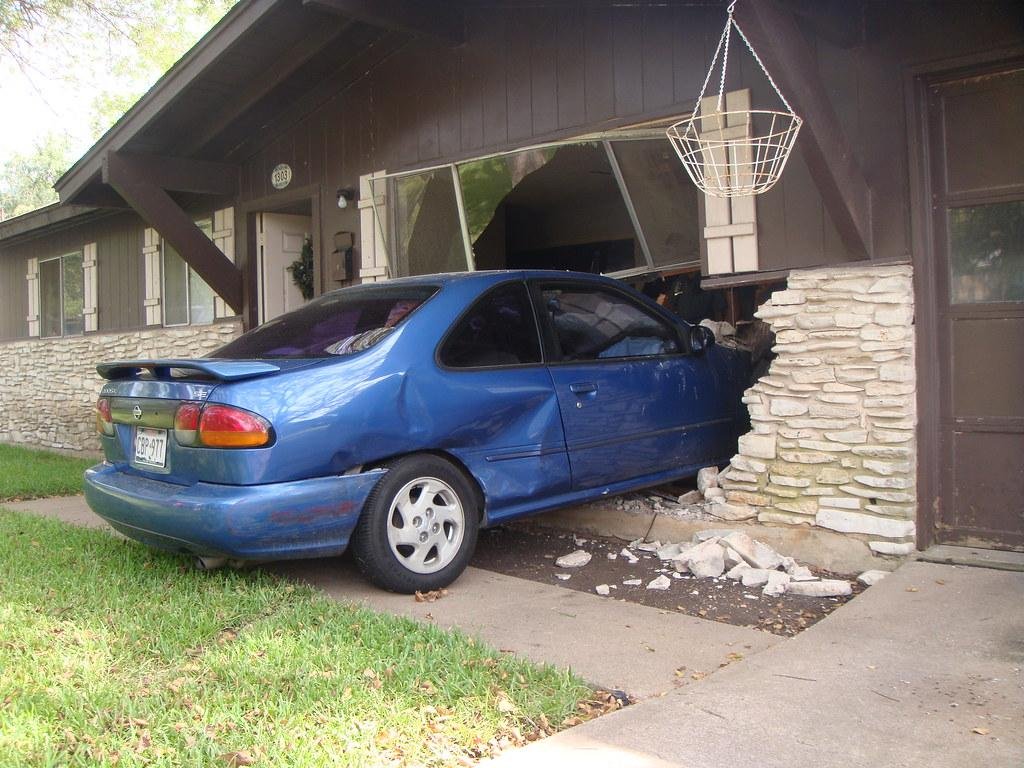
x=419, y=526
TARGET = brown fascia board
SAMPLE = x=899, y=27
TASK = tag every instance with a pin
x=38, y=222
x=224, y=34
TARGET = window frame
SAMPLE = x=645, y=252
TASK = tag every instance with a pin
x=550, y=346
x=60, y=292
x=454, y=325
x=389, y=229
x=188, y=281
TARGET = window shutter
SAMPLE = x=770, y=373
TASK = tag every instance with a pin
x=730, y=222
x=224, y=238
x=89, y=304
x=151, y=266
x=373, y=261
x=32, y=281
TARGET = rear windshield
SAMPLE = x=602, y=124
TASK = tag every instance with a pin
x=341, y=323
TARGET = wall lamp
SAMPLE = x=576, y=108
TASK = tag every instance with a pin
x=345, y=196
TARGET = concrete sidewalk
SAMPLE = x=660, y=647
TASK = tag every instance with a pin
x=902, y=676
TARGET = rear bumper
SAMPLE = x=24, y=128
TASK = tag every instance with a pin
x=305, y=518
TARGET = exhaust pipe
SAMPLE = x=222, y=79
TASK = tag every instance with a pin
x=202, y=563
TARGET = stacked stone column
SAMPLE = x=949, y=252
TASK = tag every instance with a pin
x=833, y=438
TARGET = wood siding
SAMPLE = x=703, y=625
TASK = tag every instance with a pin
x=118, y=241
x=532, y=74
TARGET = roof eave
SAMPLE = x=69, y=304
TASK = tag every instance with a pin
x=226, y=32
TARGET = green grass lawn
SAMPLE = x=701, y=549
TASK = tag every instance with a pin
x=113, y=654
x=29, y=474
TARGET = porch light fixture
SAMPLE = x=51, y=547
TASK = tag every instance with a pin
x=345, y=196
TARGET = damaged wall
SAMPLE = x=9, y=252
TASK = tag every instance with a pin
x=833, y=441
x=49, y=388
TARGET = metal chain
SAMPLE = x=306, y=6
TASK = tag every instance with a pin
x=723, y=41
x=759, y=63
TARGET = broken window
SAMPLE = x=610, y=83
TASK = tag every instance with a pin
x=619, y=204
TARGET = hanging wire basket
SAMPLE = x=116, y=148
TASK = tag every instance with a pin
x=734, y=153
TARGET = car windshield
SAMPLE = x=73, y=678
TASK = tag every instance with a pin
x=341, y=323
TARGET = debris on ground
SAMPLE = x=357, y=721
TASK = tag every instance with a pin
x=576, y=559
x=526, y=550
x=870, y=578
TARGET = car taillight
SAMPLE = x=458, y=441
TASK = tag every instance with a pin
x=186, y=423
x=104, y=422
x=221, y=426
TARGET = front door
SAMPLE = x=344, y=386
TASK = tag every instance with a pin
x=976, y=143
x=281, y=237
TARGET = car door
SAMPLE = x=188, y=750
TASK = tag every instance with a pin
x=633, y=402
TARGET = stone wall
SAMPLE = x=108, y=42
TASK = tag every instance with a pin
x=833, y=440
x=49, y=387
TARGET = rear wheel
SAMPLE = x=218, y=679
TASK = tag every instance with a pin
x=419, y=526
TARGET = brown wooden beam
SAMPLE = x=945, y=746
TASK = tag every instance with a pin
x=154, y=205
x=826, y=150
x=179, y=174
x=444, y=21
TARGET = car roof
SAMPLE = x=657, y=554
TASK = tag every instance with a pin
x=490, y=276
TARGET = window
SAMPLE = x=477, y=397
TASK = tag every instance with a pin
x=61, y=295
x=188, y=300
x=499, y=329
x=598, y=324
x=617, y=203
x=340, y=323
x=987, y=252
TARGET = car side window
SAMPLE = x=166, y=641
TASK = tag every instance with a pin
x=593, y=323
x=499, y=329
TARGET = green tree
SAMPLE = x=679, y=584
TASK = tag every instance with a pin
x=27, y=179
x=132, y=43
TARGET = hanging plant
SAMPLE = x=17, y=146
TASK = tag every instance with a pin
x=302, y=269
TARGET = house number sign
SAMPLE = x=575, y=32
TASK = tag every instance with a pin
x=281, y=176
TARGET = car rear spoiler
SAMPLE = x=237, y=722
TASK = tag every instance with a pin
x=222, y=370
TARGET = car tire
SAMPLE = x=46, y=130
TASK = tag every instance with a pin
x=419, y=526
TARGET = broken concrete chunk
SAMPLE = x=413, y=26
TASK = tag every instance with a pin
x=756, y=554
x=576, y=559
x=706, y=560
x=778, y=582
x=612, y=556
x=645, y=546
x=714, y=493
x=823, y=588
x=870, y=578
x=711, y=533
x=563, y=576
x=691, y=497
x=662, y=582
x=671, y=551
x=707, y=478
x=629, y=556
x=602, y=589
x=632, y=583
x=754, y=577
x=736, y=573
x=732, y=559
x=796, y=571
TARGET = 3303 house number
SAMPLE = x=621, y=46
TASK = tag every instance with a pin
x=281, y=176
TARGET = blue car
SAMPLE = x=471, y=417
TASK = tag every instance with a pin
x=396, y=419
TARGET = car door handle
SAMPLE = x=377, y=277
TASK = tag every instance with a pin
x=583, y=388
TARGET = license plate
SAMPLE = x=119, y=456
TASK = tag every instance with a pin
x=150, y=446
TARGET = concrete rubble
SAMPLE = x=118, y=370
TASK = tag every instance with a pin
x=741, y=558
x=576, y=559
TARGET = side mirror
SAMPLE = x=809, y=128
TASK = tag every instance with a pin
x=700, y=338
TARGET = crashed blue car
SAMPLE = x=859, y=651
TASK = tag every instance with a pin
x=396, y=419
